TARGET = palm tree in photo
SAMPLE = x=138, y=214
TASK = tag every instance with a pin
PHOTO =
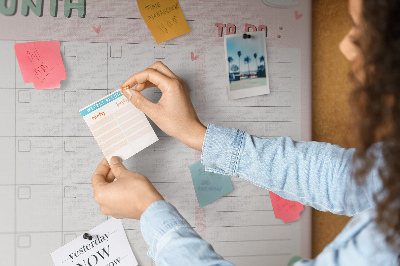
x=234, y=68
x=247, y=60
x=255, y=58
x=262, y=59
x=239, y=55
x=230, y=60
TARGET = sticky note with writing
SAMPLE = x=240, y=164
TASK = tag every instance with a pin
x=108, y=246
x=209, y=186
x=284, y=209
x=41, y=63
x=118, y=126
x=164, y=18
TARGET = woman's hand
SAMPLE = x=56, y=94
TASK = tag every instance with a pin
x=174, y=113
x=127, y=197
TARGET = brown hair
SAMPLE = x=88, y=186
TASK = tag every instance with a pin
x=375, y=103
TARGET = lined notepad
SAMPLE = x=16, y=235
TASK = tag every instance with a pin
x=118, y=126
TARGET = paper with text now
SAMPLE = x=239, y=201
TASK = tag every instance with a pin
x=41, y=63
x=164, y=18
x=108, y=246
x=209, y=186
x=284, y=209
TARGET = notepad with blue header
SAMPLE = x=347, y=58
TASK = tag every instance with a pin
x=119, y=128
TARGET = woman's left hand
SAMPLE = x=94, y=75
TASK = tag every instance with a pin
x=127, y=197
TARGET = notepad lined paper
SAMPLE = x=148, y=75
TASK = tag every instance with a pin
x=118, y=126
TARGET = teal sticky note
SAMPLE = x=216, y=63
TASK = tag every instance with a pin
x=209, y=186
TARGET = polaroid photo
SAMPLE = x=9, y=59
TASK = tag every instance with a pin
x=246, y=64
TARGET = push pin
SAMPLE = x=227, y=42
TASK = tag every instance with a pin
x=246, y=36
x=87, y=236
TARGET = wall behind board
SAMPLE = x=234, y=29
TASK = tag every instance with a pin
x=331, y=89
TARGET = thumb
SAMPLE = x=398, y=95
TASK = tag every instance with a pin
x=138, y=100
x=117, y=167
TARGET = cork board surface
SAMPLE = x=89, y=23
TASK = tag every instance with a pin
x=331, y=89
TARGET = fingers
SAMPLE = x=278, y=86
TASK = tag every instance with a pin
x=143, y=86
x=160, y=67
x=110, y=177
x=100, y=174
x=99, y=180
x=151, y=75
x=139, y=101
x=117, y=167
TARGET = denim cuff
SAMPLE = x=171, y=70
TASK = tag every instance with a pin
x=158, y=219
x=222, y=148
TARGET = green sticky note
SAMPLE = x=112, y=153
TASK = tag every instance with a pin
x=209, y=186
x=293, y=260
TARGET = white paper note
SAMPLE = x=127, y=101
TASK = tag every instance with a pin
x=119, y=128
x=108, y=247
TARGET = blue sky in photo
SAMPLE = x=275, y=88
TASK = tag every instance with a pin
x=248, y=47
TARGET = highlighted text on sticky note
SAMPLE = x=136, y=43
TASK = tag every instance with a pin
x=164, y=18
x=209, y=186
x=284, y=209
x=41, y=63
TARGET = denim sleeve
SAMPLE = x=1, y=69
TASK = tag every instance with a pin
x=171, y=239
x=360, y=243
x=312, y=173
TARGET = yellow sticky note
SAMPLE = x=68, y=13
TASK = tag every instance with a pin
x=164, y=18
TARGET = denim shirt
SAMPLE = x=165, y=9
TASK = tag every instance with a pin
x=312, y=173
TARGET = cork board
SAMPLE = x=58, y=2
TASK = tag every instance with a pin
x=331, y=89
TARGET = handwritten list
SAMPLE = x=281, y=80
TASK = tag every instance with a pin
x=41, y=63
x=164, y=18
x=209, y=186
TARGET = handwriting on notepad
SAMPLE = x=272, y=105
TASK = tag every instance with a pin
x=119, y=128
x=100, y=114
x=124, y=101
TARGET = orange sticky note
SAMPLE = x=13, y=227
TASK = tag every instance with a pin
x=284, y=209
x=164, y=18
x=41, y=63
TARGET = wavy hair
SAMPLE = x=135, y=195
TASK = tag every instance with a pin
x=375, y=102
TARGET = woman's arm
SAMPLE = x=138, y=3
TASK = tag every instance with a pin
x=312, y=173
x=315, y=174
x=171, y=239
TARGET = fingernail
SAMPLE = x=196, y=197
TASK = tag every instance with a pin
x=129, y=93
x=125, y=88
x=115, y=160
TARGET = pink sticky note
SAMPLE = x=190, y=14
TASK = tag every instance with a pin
x=41, y=63
x=284, y=209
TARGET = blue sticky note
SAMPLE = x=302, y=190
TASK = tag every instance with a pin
x=209, y=186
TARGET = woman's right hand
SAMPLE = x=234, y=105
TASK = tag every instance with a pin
x=173, y=113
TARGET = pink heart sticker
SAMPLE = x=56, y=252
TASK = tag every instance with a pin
x=297, y=15
x=193, y=57
x=97, y=30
